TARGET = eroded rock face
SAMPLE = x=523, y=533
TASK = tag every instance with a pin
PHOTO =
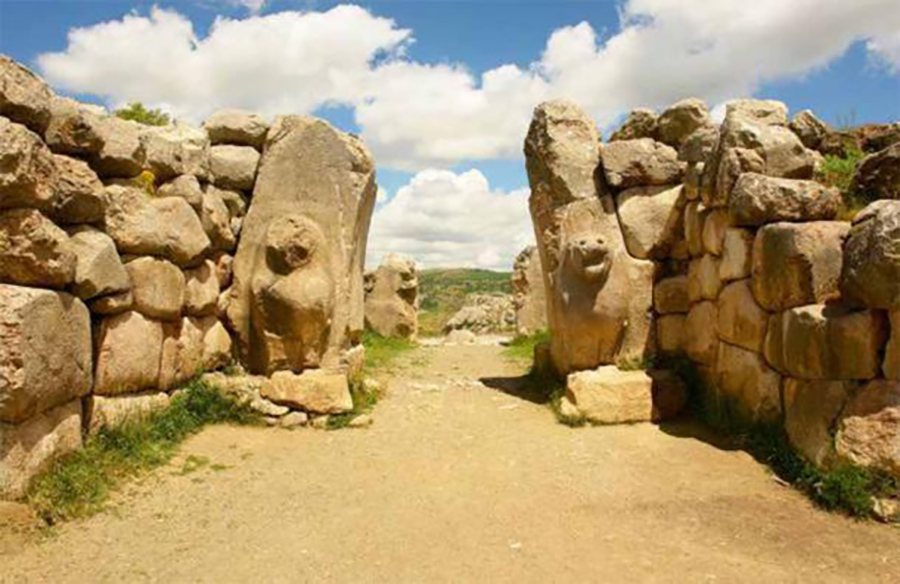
x=641, y=162
x=129, y=347
x=45, y=351
x=599, y=296
x=297, y=296
x=24, y=97
x=392, y=298
x=810, y=129
x=640, y=123
x=231, y=126
x=758, y=199
x=177, y=149
x=750, y=385
x=651, y=219
x=98, y=269
x=73, y=128
x=878, y=175
x=811, y=410
x=157, y=286
x=317, y=391
x=529, y=299
x=871, y=268
x=869, y=430
x=234, y=167
x=79, y=193
x=122, y=153
x=679, y=121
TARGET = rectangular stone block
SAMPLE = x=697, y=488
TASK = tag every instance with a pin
x=748, y=383
x=129, y=349
x=608, y=395
x=811, y=410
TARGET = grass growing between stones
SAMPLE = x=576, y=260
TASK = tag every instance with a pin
x=521, y=348
x=843, y=487
x=382, y=352
x=837, y=171
x=364, y=400
x=79, y=484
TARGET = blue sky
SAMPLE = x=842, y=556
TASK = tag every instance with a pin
x=425, y=85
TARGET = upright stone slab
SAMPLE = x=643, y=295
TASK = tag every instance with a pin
x=297, y=297
x=392, y=298
x=599, y=296
x=529, y=299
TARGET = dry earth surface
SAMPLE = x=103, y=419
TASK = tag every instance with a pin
x=458, y=480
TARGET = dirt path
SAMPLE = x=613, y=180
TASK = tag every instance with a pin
x=460, y=482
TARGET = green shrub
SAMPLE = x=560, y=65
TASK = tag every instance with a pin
x=136, y=112
x=364, y=400
x=78, y=485
x=838, y=171
x=522, y=346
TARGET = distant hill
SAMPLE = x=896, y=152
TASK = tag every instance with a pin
x=442, y=292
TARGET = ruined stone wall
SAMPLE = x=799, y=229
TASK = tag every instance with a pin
x=791, y=314
x=135, y=257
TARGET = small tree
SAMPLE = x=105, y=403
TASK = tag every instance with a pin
x=135, y=111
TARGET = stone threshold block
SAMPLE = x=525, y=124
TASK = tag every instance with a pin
x=319, y=391
x=608, y=395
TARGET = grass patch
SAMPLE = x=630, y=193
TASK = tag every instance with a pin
x=521, y=348
x=837, y=171
x=842, y=488
x=79, y=484
x=381, y=352
x=364, y=400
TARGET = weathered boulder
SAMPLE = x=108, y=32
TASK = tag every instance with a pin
x=599, y=296
x=45, y=351
x=878, y=175
x=157, y=286
x=34, y=251
x=703, y=279
x=529, y=299
x=187, y=187
x=201, y=291
x=216, y=220
x=392, y=298
x=24, y=97
x=798, y=263
x=129, y=347
x=723, y=171
x=176, y=149
x=810, y=129
x=671, y=333
x=297, y=297
x=182, y=353
x=122, y=153
x=28, y=174
x=165, y=227
x=73, y=129
x=748, y=384
x=234, y=167
x=741, y=320
x=701, y=342
x=869, y=430
x=640, y=123
x=79, y=193
x=651, y=219
x=670, y=295
x=641, y=162
x=28, y=448
x=111, y=304
x=98, y=268
x=737, y=254
x=757, y=199
x=871, y=266
x=232, y=126
x=891, y=365
x=766, y=112
x=811, y=411
x=109, y=412
x=484, y=313
x=608, y=395
x=679, y=121
x=826, y=342
x=217, y=345
x=224, y=268
x=318, y=391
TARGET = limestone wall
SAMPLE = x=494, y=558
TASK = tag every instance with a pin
x=118, y=276
x=791, y=314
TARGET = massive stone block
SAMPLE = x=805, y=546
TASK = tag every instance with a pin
x=318, y=391
x=182, y=353
x=640, y=123
x=758, y=199
x=201, y=291
x=680, y=120
x=234, y=167
x=670, y=295
x=157, y=287
x=297, y=297
x=73, y=129
x=45, y=351
x=641, y=162
x=748, y=383
x=98, y=269
x=599, y=296
x=392, y=298
x=826, y=342
x=741, y=321
x=79, y=193
x=651, y=219
x=174, y=150
x=122, y=153
x=128, y=353
x=165, y=227
x=878, y=175
x=34, y=251
x=701, y=342
x=27, y=448
x=24, y=97
x=871, y=267
x=28, y=174
x=797, y=263
x=529, y=298
x=608, y=395
x=737, y=254
x=231, y=126
x=811, y=410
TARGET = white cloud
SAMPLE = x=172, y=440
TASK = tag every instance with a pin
x=416, y=115
x=442, y=219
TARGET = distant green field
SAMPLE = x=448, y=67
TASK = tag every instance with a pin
x=442, y=292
